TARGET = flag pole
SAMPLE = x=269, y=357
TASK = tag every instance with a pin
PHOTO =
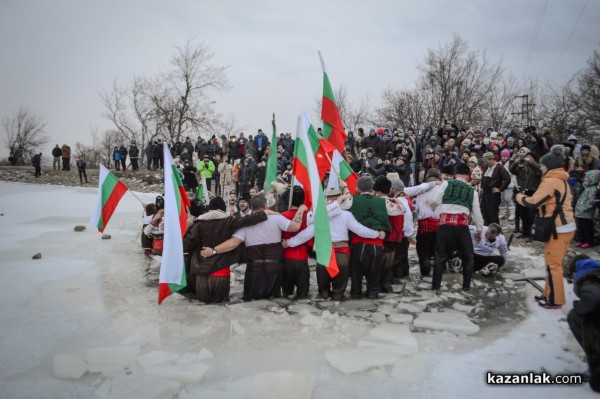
x=138, y=198
x=291, y=193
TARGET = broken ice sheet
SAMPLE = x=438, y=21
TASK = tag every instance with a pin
x=352, y=360
x=288, y=384
x=113, y=358
x=453, y=322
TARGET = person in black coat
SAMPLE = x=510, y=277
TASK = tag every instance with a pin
x=584, y=317
x=149, y=155
x=134, y=155
x=123, y=151
x=371, y=140
x=36, y=162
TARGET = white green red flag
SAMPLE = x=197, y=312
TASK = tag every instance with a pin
x=110, y=191
x=271, y=172
x=202, y=192
x=307, y=174
x=333, y=131
x=172, y=267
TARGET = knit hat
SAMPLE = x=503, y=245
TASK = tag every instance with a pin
x=461, y=169
x=488, y=155
x=555, y=158
x=433, y=174
x=217, y=203
x=365, y=184
x=585, y=147
x=474, y=160
x=476, y=173
x=448, y=170
x=505, y=153
x=397, y=184
x=382, y=184
x=572, y=138
x=493, y=135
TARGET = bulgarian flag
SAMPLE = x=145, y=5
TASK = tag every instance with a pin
x=333, y=131
x=110, y=191
x=202, y=192
x=271, y=172
x=307, y=174
x=172, y=267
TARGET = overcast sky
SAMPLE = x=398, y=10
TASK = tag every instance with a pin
x=55, y=56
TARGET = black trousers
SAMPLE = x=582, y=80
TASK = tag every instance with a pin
x=82, y=175
x=365, y=261
x=262, y=280
x=149, y=163
x=387, y=266
x=449, y=239
x=335, y=287
x=401, y=266
x=526, y=215
x=134, y=164
x=585, y=228
x=66, y=164
x=425, y=251
x=490, y=207
x=296, y=275
x=38, y=171
x=212, y=289
x=480, y=261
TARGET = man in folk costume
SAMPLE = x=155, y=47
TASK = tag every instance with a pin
x=400, y=267
x=296, y=273
x=264, y=253
x=457, y=201
x=365, y=258
x=211, y=276
x=340, y=221
x=393, y=242
x=427, y=218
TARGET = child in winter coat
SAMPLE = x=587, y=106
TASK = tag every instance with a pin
x=585, y=209
x=584, y=317
x=149, y=212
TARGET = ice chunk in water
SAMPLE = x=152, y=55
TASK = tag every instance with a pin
x=411, y=307
x=140, y=386
x=113, y=358
x=448, y=321
x=311, y=320
x=410, y=369
x=275, y=385
x=205, y=354
x=184, y=373
x=396, y=334
x=352, y=360
x=68, y=366
x=157, y=358
x=463, y=308
x=401, y=318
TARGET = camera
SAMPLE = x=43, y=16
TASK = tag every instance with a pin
x=159, y=202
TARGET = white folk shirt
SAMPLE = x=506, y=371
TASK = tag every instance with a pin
x=339, y=224
x=267, y=232
x=487, y=248
x=424, y=193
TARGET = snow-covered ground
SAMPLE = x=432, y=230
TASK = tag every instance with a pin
x=88, y=298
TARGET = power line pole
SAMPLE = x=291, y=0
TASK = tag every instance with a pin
x=526, y=110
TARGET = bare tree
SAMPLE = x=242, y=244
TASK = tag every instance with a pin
x=24, y=134
x=560, y=110
x=181, y=96
x=110, y=140
x=457, y=81
x=588, y=84
x=404, y=109
x=229, y=126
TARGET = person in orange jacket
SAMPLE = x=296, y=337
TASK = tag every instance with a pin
x=554, y=182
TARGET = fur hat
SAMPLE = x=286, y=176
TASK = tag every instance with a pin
x=462, y=169
x=585, y=147
x=555, y=158
x=448, y=170
x=433, y=174
x=365, y=184
x=245, y=197
x=217, y=203
x=382, y=184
